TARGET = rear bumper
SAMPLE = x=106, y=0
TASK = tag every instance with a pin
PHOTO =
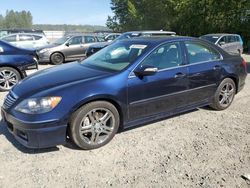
x=35, y=134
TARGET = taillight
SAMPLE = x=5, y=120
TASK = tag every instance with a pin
x=244, y=64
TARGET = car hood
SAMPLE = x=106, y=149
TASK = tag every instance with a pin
x=100, y=44
x=48, y=46
x=56, y=76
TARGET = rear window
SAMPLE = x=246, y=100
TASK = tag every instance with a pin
x=37, y=37
x=212, y=39
x=11, y=38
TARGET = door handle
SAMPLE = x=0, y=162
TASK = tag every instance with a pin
x=217, y=67
x=180, y=75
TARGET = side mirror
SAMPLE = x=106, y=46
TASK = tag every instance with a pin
x=1, y=49
x=146, y=71
x=67, y=44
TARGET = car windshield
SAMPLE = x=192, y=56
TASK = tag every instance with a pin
x=117, y=56
x=210, y=38
x=61, y=40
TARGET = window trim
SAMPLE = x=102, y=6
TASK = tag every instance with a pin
x=204, y=44
x=183, y=54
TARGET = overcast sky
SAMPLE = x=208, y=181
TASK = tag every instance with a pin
x=93, y=12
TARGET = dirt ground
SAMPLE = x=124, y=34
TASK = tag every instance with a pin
x=202, y=148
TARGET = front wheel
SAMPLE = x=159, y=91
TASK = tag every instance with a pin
x=8, y=78
x=94, y=124
x=224, y=95
x=57, y=58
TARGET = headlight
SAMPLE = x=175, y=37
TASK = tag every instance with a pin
x=38, y=105
x=44, y=50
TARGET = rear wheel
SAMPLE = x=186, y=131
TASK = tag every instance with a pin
x=224, y=95
x=94, y=124
x=8, y=78
x=57, y=58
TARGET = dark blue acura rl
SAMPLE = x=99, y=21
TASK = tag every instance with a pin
x=128, y=83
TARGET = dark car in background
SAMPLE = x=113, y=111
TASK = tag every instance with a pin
x=127, y=35
x=128, y=83
x=231, y=43
x=14, y=62
x=67, y=48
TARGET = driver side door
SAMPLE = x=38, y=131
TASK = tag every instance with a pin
x=74, y=48
x=165, y=90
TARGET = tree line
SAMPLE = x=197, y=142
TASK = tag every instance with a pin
x=185, y=17
x=15, y=19
x=23, y=20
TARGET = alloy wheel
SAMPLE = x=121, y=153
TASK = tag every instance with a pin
x=8, y=79
x=96, y=126
x=226, y=94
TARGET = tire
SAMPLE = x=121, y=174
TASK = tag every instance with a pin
x=8, y=78
x=57, y=58
x=94, y=125
x=224, y=95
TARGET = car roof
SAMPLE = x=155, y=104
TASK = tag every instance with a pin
x=80, y=35
x=24, y=34
x=160, y=39
x=152, y=31
x=219, y=34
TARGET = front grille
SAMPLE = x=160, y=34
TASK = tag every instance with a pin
x=10, y=100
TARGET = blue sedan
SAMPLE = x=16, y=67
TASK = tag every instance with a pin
x=14, y=62
x=128, y=83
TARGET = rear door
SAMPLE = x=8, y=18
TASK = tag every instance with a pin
x=204, y=71
x=162, y=92
x=25, y=41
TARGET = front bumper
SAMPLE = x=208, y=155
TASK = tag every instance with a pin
x=35, y=134
x=44, y=57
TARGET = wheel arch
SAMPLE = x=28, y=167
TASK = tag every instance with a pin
x=17, y=69
x=235, y=79
x=57, y=52
x=111, y=100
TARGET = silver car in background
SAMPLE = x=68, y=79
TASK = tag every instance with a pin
x=26, y=40
x=231, y=43
x=67, y=48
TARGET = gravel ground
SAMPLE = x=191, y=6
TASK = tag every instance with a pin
x=202, y=148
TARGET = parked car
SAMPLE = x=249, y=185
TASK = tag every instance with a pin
x=112, y=36
x=68, y=48
x=4, y=32
x=127, y=35
x=26, y=40
x=14, y=62
x=231, y=43
x=128, y=83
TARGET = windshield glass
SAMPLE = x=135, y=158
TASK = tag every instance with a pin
x=117, y=56
x=212, y=39
x=61, y=40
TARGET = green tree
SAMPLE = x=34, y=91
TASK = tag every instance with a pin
x=15, y=19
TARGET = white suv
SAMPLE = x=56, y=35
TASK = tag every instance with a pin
x=26, y=40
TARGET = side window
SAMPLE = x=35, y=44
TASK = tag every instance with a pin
x=231, y=38
x=200, y=53
x=11, y=38
x=75, y=40
x=37, y=37
x=25, y=37
x=166, y=56
x=89, y=39
x=223, y=40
